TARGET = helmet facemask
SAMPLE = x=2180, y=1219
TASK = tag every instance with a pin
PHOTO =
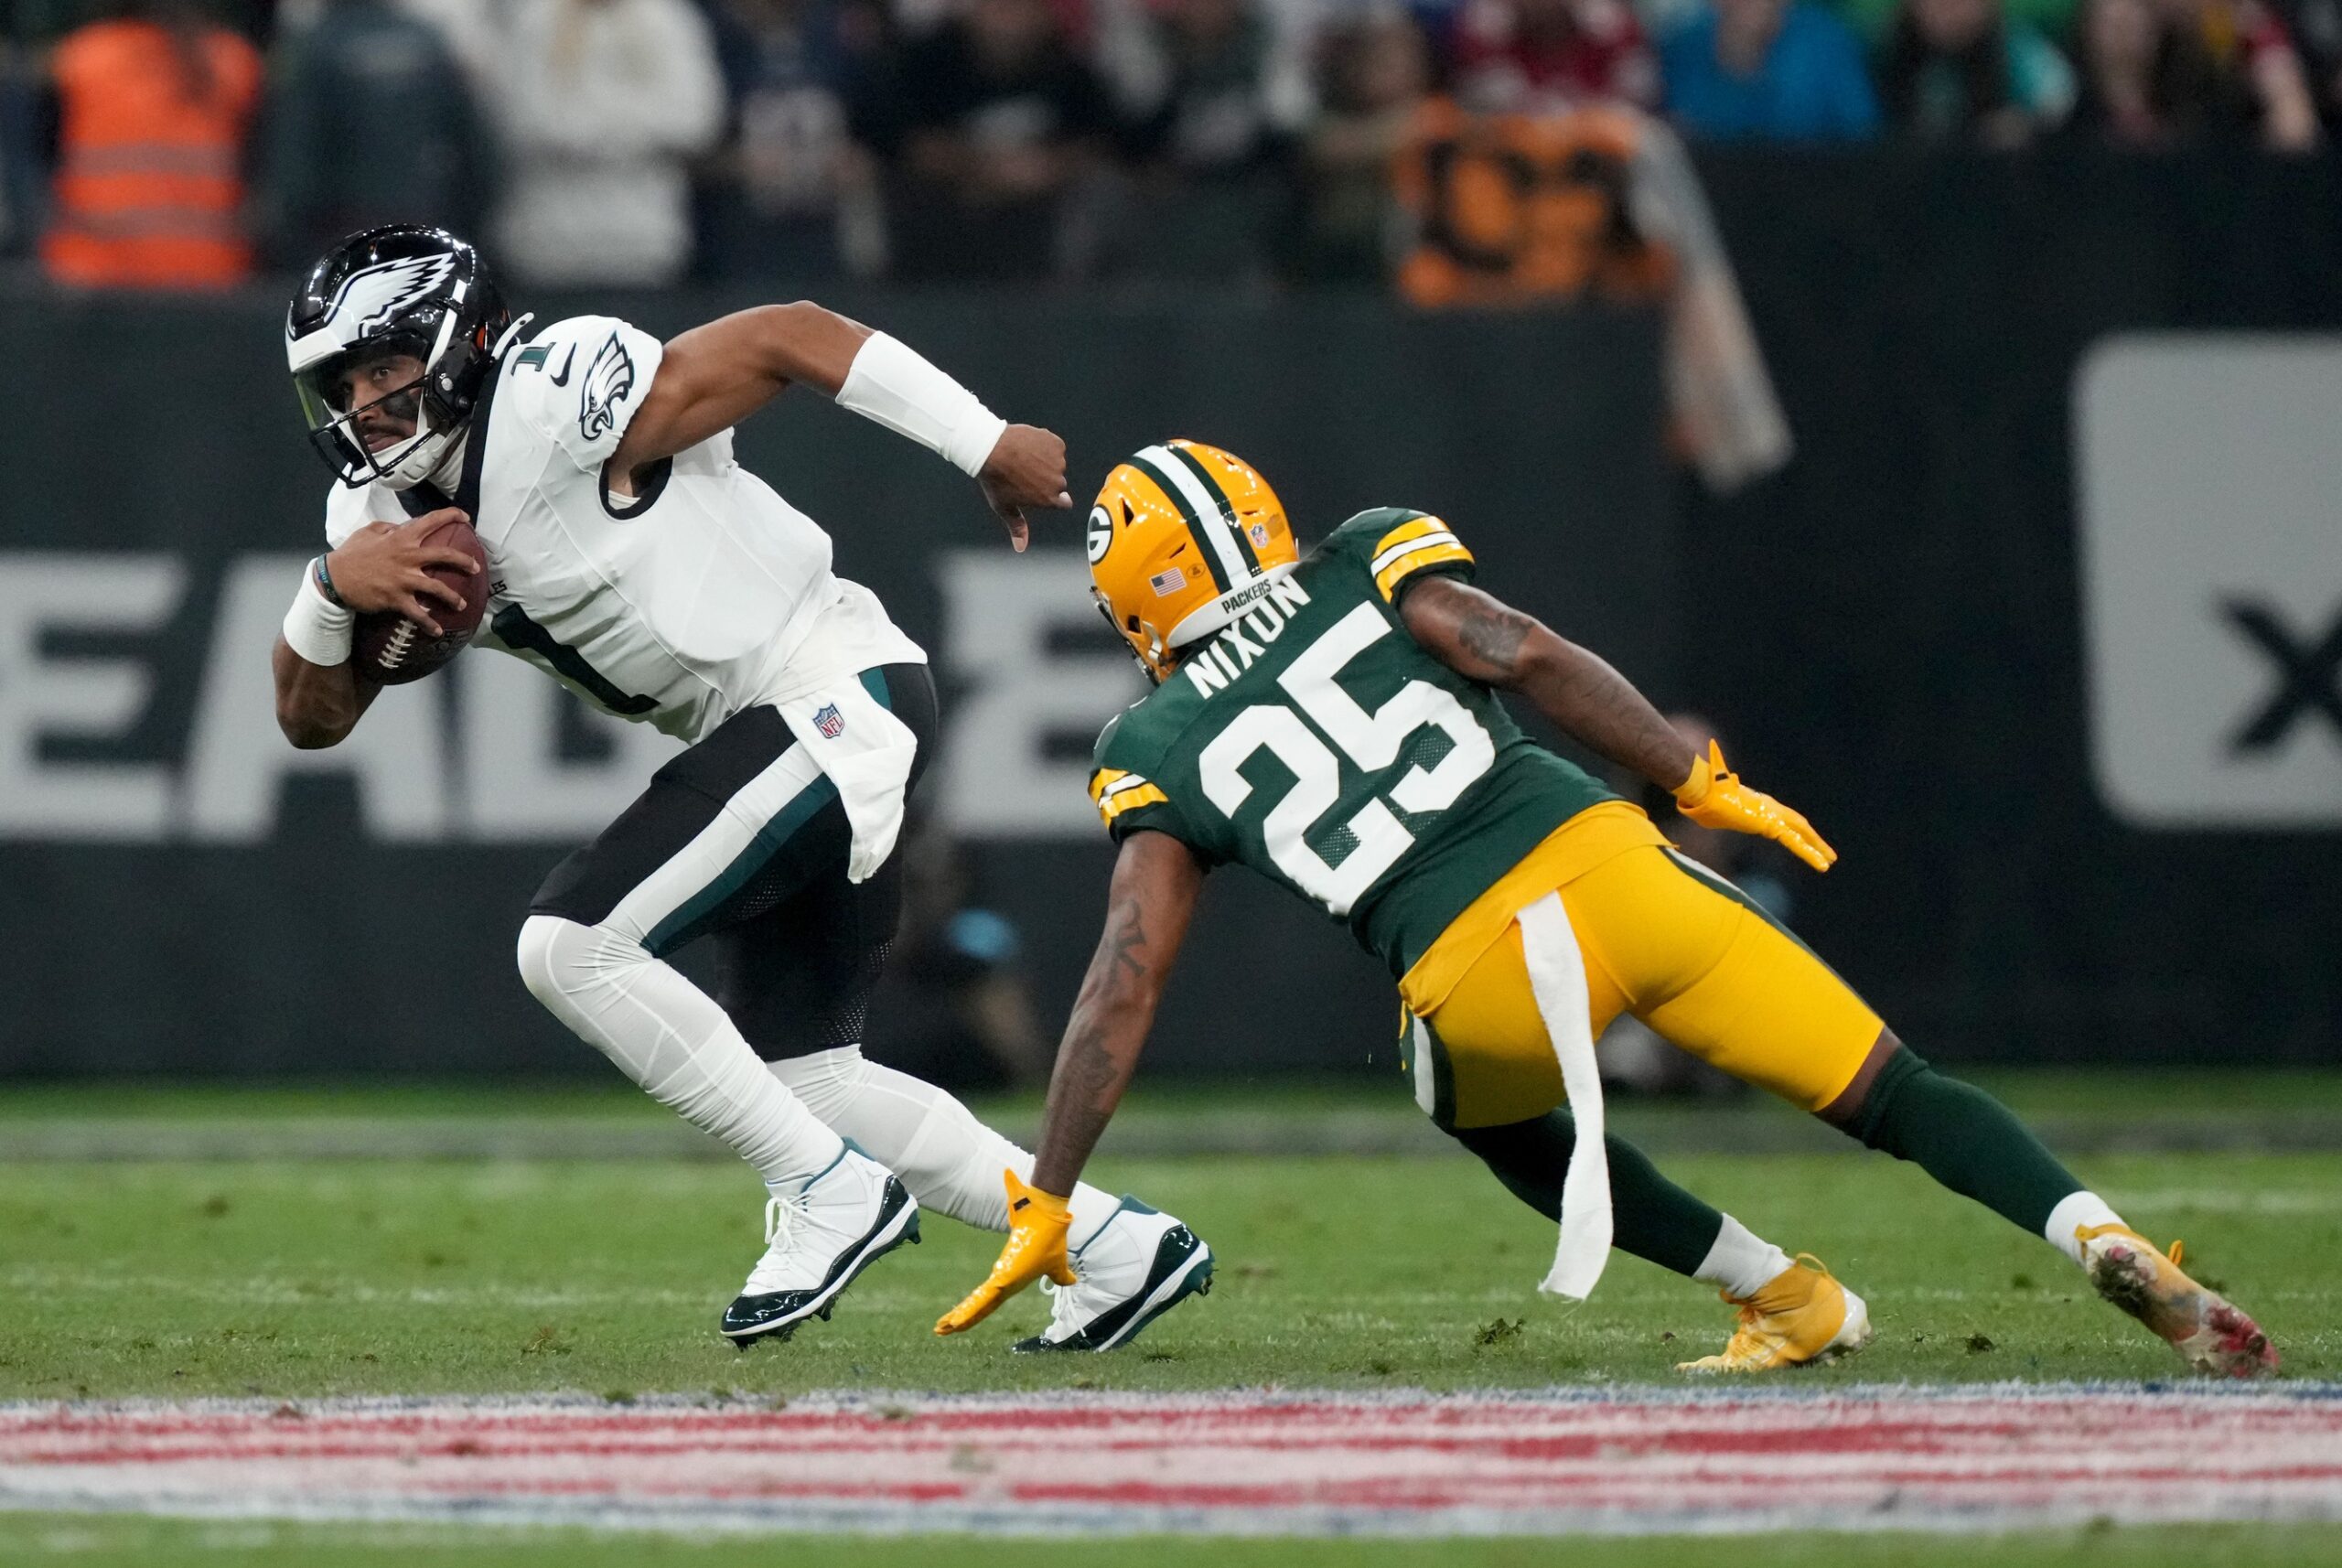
x=1146, y=646
x=333, y=416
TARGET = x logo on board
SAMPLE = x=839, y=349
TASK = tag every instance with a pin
x=2309, y=676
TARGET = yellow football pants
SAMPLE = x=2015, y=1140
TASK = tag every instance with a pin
x=1661, y=938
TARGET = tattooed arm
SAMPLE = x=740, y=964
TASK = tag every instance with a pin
x=1157, y=880
x=1482, y=638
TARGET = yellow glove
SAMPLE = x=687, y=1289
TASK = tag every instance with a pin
x=1715, y=797
x=1035, y=1246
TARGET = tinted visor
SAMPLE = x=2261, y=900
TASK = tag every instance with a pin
x=324, y=387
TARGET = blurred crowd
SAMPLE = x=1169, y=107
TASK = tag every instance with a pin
x=190, y=143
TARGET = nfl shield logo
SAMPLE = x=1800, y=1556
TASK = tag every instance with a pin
x=829, y=721
x=1259, y=532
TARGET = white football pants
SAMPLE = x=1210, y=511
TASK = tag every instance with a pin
x=671, y=1037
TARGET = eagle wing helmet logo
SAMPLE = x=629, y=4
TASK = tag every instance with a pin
x=608, y=380
x=374, y=296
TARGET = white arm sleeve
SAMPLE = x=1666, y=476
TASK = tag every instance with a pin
x=891, y=385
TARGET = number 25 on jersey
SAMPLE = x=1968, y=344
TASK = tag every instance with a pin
x=1372, y=742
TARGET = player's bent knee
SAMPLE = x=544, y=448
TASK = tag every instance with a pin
x=559, y=959
x=1870, y=1121
x=541, y=937
x=827, y=1081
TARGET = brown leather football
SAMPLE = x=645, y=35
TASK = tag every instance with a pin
x=389, y=650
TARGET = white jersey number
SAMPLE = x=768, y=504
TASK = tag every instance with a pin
x=1372, y=741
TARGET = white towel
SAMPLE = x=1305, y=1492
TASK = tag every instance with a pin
x=1557, y=979
x=863, y=748
x=867, y=752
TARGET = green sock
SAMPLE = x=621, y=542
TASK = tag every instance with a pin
x=1651, y=1217
x=1965, y=1139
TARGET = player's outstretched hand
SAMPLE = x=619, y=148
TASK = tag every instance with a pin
x=1026, y=468
x=1035, y=1246
x=383, y=567
x=1714, y=797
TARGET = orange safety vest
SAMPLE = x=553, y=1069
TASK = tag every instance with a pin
x=1513, y=208
x=149, y=185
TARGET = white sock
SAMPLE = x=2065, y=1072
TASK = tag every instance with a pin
x=671, y=1037
x=950, y=1161
x=1741, y=1262
x=2074, y=1211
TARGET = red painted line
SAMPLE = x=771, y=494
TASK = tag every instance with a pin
x=1990, y=1458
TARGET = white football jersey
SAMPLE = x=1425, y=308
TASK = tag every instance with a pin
x=680, y=606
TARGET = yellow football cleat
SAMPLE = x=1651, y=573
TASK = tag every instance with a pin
x=2209, y=1334
x=1802, y=1317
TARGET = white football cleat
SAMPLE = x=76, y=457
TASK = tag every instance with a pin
x=818, y=1237
x=1137, y=1266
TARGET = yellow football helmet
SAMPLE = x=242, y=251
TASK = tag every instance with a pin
x=1184, y=537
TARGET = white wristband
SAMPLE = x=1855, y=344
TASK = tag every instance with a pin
x=894, y=386
x=315, y=628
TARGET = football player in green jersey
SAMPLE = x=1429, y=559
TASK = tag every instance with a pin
x=1332, y=723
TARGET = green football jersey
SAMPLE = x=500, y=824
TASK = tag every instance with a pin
x=1316, y=742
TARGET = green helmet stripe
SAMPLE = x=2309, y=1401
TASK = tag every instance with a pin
x=1218, y=493
x=1146, y=465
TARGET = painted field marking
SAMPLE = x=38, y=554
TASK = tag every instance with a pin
x=1617, y=1461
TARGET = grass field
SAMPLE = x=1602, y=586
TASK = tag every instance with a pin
x=295, y=1279
x=302, y=1279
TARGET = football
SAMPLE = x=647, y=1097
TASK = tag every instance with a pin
x=389, y=650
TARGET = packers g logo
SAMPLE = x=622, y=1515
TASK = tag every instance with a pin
x=1101, y=533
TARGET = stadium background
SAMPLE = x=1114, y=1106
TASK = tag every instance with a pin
x=1892, y=632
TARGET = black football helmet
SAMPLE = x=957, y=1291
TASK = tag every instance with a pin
x=403, y=289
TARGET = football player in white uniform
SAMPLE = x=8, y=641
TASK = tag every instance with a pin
x=633, y=560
